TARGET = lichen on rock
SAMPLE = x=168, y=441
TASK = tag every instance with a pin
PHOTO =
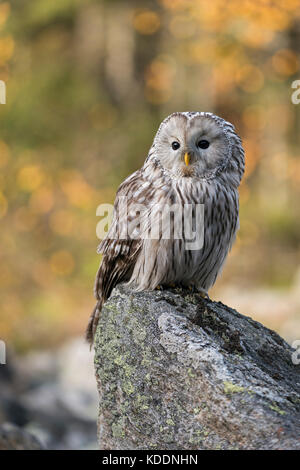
x=176, y=371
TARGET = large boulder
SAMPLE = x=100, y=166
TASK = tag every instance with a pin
x=176, y=371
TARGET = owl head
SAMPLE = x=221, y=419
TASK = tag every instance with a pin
x=198, y=144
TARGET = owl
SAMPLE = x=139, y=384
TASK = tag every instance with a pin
x=196, y=160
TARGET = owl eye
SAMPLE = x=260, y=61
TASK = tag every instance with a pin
x=175, y=145
x=203, y=144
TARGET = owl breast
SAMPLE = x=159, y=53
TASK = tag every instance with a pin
x=207, y=210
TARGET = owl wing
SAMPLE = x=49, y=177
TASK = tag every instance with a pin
x=119, y=252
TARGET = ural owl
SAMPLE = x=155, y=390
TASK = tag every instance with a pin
x=196, y=159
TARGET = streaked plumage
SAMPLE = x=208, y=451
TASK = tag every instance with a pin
x=211, y=177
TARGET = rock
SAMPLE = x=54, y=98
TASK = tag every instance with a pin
x=52, y=395
x=11, y=407
x=14, y=438
x=175, y=371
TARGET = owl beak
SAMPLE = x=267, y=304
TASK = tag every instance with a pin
x=186, y=159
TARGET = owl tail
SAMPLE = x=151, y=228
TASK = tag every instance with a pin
x=93, y=322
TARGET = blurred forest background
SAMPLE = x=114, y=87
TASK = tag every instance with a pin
x=88, y=82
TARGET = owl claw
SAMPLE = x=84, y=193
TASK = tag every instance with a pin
x=203, y=294
x=162, y=287
x=198, y=290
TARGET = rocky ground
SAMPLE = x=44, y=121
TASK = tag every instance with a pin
x=49, y=399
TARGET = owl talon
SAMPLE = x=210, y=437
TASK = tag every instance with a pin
x=198, y=290
x=204, y=294
x=193, y=289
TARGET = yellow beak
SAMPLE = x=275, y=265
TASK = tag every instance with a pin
x=186, y=159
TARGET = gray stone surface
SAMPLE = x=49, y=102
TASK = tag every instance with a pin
x=14, y=438
x=175, y=371
x=51, y=395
